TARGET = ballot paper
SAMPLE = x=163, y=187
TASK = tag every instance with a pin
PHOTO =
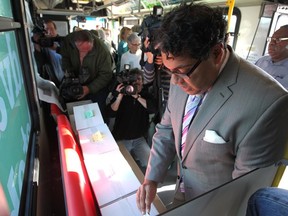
x=126, y=206
x=111, y=176
x=96, y=140
x=87, y=115
x=48, y=92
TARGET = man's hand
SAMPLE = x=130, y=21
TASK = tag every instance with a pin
x=85, y=92
x=35, y=40
x=119, y=88
x=158, y=60
x=145, y=196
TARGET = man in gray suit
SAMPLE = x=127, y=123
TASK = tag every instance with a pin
x=241, y=124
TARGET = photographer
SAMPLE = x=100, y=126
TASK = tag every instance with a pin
x=131, y=110
x=47, y=59
x=86, y=57
x=153, y=74
x=159, y=78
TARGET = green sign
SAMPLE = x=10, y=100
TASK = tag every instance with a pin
x=150, y=3
x=5, y=9
x=15, y=121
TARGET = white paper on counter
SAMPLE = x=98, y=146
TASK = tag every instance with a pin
x=111, y=176
x=124, y=207
x=83, y=122
x=90, y=147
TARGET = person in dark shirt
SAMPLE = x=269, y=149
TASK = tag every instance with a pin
x=131, y=112
x=47, y=58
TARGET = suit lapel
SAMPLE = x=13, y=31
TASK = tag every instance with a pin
x=213, y=102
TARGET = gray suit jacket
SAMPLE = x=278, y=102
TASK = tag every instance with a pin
x=245, y=107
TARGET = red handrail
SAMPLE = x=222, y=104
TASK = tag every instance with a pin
x=78, y=193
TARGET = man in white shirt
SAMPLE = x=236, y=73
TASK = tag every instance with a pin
x=133, y=56
x=276, y=63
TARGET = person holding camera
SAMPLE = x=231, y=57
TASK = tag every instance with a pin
x=49, y=61
x=159, y=78
x=86, y=58
x=131, y=108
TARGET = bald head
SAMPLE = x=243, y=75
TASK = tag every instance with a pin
x=278, y=46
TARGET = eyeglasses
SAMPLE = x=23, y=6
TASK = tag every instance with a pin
x=135, y=44
x=177, y=72
x=276, y=40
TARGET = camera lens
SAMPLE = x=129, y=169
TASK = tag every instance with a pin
x=129, y=89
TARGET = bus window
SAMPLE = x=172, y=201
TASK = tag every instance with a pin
x=15, y=121
x=234, y=27
x=18, y=114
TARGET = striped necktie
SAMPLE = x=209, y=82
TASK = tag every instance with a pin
x=192, y=105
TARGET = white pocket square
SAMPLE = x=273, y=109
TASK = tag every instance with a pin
x=212, y=137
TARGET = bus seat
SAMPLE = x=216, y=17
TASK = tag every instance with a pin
x=78, y=192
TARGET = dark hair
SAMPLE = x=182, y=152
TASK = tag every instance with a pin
x=94, y=32
x=136, y=72
x=284, y=26
x=191, y=30
x=136, y=28
x=51, y=21
x=83, y=35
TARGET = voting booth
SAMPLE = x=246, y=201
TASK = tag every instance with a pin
x=113, y=177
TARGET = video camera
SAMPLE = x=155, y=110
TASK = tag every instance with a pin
x=128, y=80
x=70, y=88
x=43, y=40
x=149, y=28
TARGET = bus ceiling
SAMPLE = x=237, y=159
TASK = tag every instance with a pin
x=120, y=8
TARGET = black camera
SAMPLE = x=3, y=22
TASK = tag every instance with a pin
x=43, y=40
x=149, y=28
x=128, y=81
x=49, y=41
x=70, y=88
